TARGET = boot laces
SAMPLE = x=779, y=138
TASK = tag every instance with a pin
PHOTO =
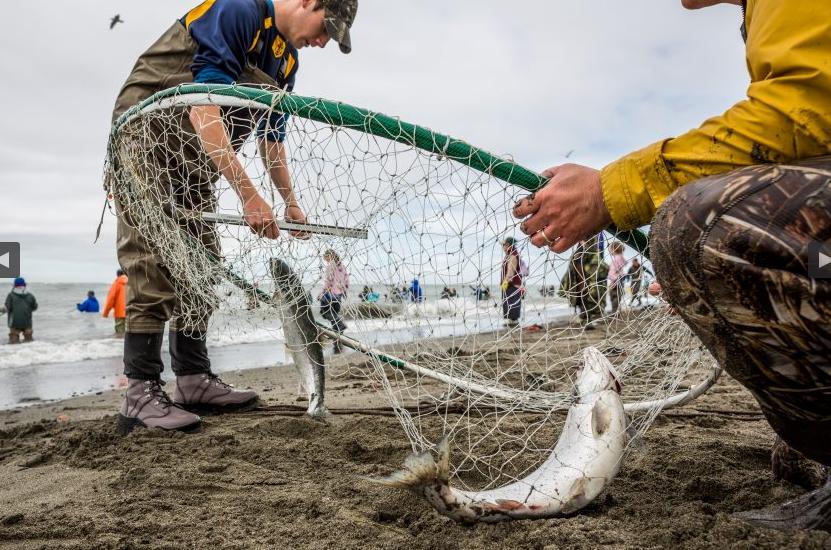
x=218, y=381
x=154, y=389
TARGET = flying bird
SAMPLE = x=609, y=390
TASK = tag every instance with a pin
x=569, y=153
x=115, y=21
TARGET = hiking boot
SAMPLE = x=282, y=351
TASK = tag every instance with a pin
x=206, y=392
x=147, y=405
x=809, y=511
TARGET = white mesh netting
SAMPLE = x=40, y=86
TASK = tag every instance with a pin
x=503, y=389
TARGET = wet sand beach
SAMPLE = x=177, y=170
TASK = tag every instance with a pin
x=274, y=478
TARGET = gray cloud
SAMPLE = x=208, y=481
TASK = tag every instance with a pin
x=535, y=80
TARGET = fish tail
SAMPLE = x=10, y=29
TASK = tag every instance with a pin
x=420, y=469
x=316, y=407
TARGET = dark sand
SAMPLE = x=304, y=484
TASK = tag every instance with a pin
x=273, y=478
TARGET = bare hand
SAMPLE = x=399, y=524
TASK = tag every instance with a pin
x=655, y=289
x=567, y=209
x=296, y=215
x=260, y=218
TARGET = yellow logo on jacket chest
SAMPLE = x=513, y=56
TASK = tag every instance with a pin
x=278, y=47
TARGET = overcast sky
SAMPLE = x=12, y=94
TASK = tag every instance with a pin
x=533, y=79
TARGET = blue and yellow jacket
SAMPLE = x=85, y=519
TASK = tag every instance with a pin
x=232, y=33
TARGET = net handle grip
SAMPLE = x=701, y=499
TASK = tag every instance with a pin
x=236, y=219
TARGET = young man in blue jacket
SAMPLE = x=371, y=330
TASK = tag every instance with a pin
x=253, y=42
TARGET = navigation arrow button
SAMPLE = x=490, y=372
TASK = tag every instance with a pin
x=9, y=260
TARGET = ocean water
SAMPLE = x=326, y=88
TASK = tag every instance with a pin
x=75, y=353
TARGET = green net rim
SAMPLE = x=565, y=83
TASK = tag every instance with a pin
x=336, y=113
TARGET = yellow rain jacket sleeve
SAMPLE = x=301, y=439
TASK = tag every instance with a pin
x=786, y=116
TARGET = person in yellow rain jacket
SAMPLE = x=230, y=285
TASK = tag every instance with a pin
x=749, y=192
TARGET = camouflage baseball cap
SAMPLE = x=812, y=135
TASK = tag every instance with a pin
x=338, y=17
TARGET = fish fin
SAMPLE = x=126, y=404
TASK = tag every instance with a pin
x=576, y=498
x=420, y=469
x=617, y=384
x=317, y=409
x=601, y=418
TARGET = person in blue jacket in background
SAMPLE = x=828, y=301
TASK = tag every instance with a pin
x=416, y=292
x=90, y=305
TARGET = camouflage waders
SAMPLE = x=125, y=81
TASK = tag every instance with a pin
x=584, y=284
x=733, y=253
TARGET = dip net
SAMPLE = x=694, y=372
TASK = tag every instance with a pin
x=418, y=206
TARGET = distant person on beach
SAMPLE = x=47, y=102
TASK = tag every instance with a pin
x=585, y=280
x=20, y=304
x=399, y=294
x=116, y=302
x=219, y=42
x=740, y=211
x=447, y=293
x=90, y=305
x=416, y=292
x=616, y=274
x=635, y=276
x=335, y=287
x=369, y=296
x=511, y=284
x=481, y=293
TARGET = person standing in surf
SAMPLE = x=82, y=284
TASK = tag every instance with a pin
x=741, y=219
x=20, y=303
x=335, y=287
x=415, y=292
x=253, y=42
x=117, y=302
x=90, y=305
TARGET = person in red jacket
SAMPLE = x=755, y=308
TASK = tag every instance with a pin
x=116, y=302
